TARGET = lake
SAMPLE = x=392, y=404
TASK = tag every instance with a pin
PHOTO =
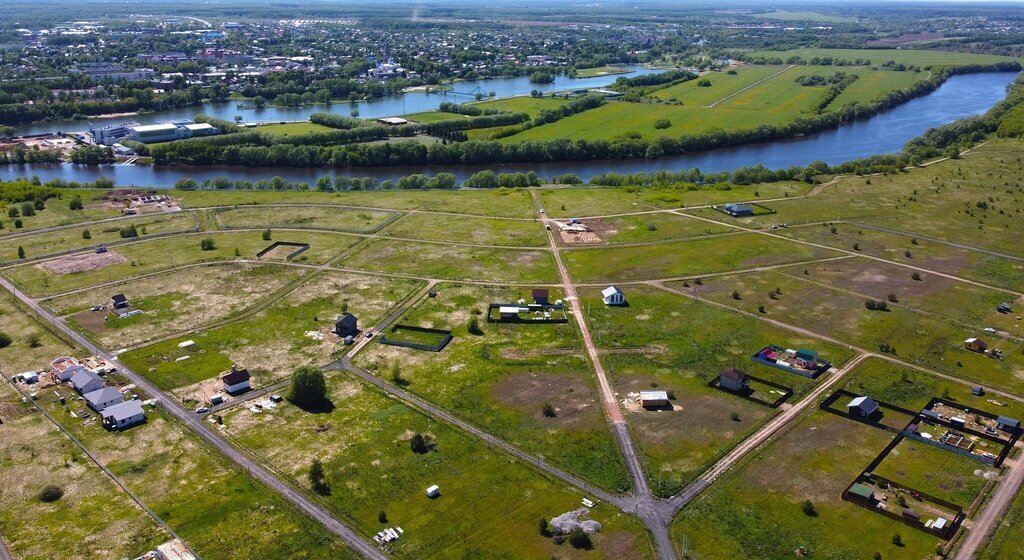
x=960, y=96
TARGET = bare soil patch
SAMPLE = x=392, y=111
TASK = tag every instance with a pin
x=92, y=321
x=572, y=397
x=81, y=262
x=598, y=232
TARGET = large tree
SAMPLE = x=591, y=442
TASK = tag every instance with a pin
x=309, y=390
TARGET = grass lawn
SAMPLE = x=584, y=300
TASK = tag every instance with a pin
x=489, y=503
x=292, y=129
x=455, y=262
x=600, y=71
x=433, y=116
x=754, y=511
x=722, y=85
x=272, y=353
x=209, y=503
x=32, y=346
x=484, y=231
x=523, y=104
x=684, y=258
x=668, y=342
x=504, y=203
x=934, y=471
x=643, y=228
x=312, y=217
x=43, y=244
x=501, y=379
x=575, y=202
x=93, y=519
x=58, y=212
x=159, y=254
x=173, y=301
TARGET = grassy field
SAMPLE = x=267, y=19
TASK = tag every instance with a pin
x=489, y=504
x=722, y=85
x=273, y=353
x=288, y=129
x=600, y=71
x=32, y=344
x=576, y=202
x=174, y=301
x=453, y=262
x=523, y=104
x=668, y=342
x=433, y=116
x=312, y=217
x=644, y=228
x=197, y=492
x=93, y=519
x=903, y=56
x=684, y=258
x=802, y=15
x=164, y=253
x=754, y=511
x=483, y=231
x=59, y=241
x=501, y=379
x=934, y=471
x=58, y=212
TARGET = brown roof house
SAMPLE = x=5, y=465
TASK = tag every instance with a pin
x=236, y=381
x=734, y=380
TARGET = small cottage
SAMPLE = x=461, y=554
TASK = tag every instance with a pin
x=346, y=325
x=975, y=344
x=738, y=210
x=236, y=381
x=100, y=399
x=734, y=380
x=863, y=407
x=119, y=301
x=540, y=296
x=863, y=493
x=613, y=296
x=123, y=415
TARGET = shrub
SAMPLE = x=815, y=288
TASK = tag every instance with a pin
x=5, y=340
x=76, y=203
x=916, y=276
x=808, y=509
x=735, y=416
x=894, y=298
x=421, y=444
x=897, y=540
x=308, y=389
x=207, y=244
x=474, y=325
x=736, y=295
x=579, y=539
x=266, y=235
x=51, y=493
x=382, y=516
x=21, y=252
x=33, y=341
x=86, y=234
x=661, y=124
x=548, y=410
x=542, y=527
x=317, y=478
x=129, y=232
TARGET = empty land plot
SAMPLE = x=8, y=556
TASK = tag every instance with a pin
x=871, y=84
x=505, y=203
x=272, y=353
x=755, y=510
x=931, y=255
x=936, y=472
x=168, y=252
x=93, y=519
x=433, y=116
x=664, y=341
x=455, y=262
x=579, y=202
x=336, y=218
x=211, y=504
x=174, y=301
x=32, y=345
x=880, y=56
x=500, y=380
x=723, y=84
x=489, y=503
x=58, y=212
x=930, y=341
x=483, y=231
x=81, y=262
x=781, y=95
x=62, y=240
x=685, y=258
x=642, y=228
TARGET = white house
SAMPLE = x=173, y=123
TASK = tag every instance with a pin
x=613, y=296
x=236, y=381
x=100, y=399
x=123, y=415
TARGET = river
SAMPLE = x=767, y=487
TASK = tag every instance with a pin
x=388, y=106
x=960, y=96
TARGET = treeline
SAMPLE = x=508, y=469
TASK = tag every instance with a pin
x=837, y=87
x=798, y=60
x=137, y=100
x=226, y=127
x=19, y=155
x=648, y=80
x=92, y=155
x=466, y=109
x=32, y=189
x=336, y=121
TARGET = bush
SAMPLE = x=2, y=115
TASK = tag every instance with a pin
x=76, y=203
x=421, y=444
x=5, y=340
x=474, y=326
x=736, y=295
x=317, y=478
x=207, y=244
x=33, y=341
x=662, y=124
x=916, y=276
x=266, y=235
x=542, y=527
x=548, y=410
x=735, y=416
x=808, y=509
x=130, y=231
x=382, y=516
x=308, y=389
x=86, y=234
x=21, y=252
x=51, y=494
x=579, y=539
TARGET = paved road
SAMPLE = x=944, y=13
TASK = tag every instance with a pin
x=198, y=425
x=992, y=515
x=5, y=554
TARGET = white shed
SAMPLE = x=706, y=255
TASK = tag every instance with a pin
x=613, y=296
x=433, y=491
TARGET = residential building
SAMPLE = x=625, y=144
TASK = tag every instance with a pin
x=613, y=296
x=734, y=380
x=236, y=381
x=100, y=399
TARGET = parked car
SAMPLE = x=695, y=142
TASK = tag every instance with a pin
x=202, y=410
x=990, y=330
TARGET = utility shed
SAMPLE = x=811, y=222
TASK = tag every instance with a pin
x=654, y=399
x=540, y=296
x=1007, y=424
x=862, y=492
x=613, y=296
x=508, y=312
x=119, y=301
x=975, y=344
